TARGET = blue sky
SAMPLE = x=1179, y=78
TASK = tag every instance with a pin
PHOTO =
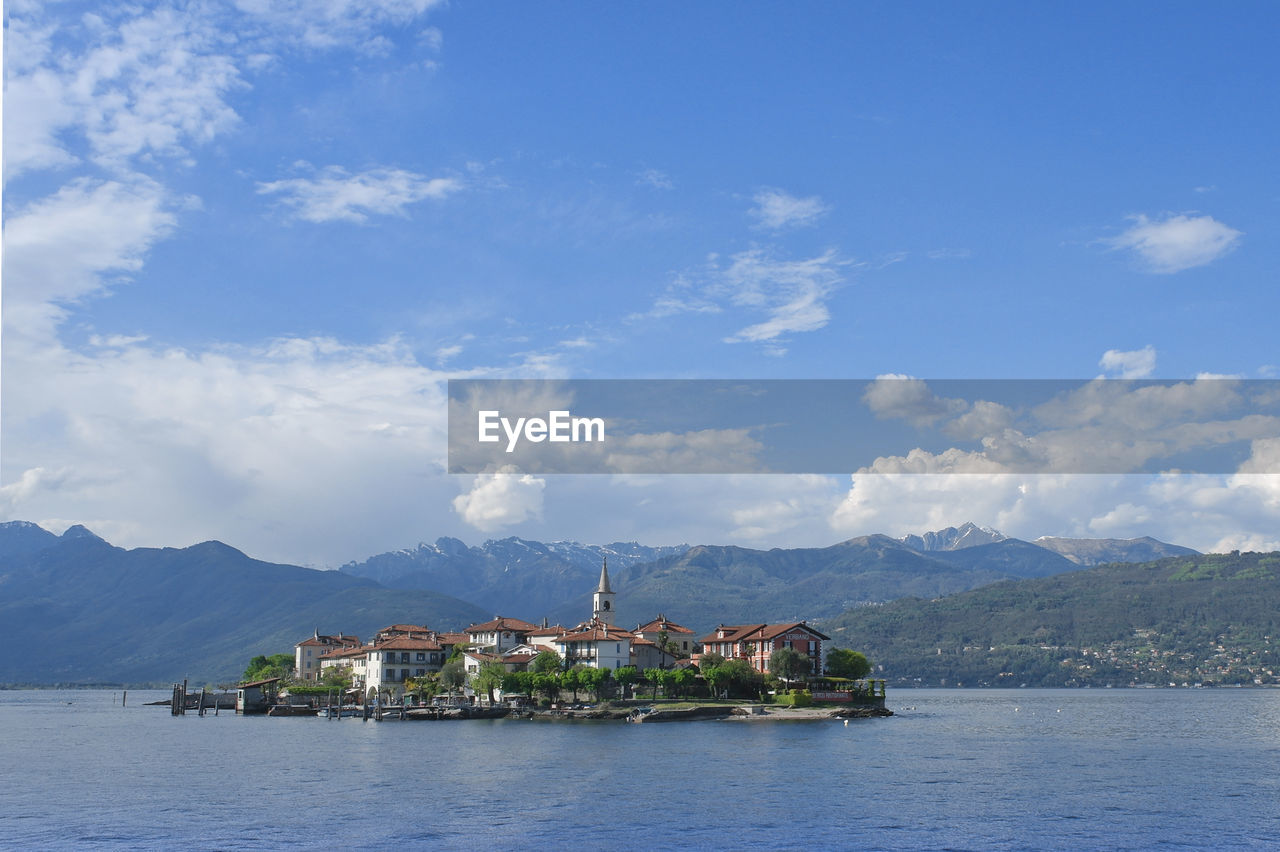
x=246, y=243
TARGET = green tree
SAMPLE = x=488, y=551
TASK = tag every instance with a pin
x=682, y=679
x=546, y=662
x=336, y=677
x=263, y=667
x=547, y=683
x=717, y=678
x=625, y=677
x=453, y=676
x=842, y=662
x=710, y=661
x=789, y=664
x=426, y=686
x=654, y=676
x=592, y=680
x=743, y=679
x=489, y=677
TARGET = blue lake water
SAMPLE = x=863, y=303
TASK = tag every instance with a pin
x=955, y=769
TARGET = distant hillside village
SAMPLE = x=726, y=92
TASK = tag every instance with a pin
x=403, y=660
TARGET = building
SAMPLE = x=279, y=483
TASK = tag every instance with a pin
x=307, y=653
x=499, y=635
x=595, y=643
x=647, y=655
x=602, y=608
x=756, y=642
x=679, y=639
x=391, y=662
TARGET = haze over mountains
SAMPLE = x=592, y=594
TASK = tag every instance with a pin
x=81, y=610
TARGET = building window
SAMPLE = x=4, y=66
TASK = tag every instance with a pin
x=404, y=656
x=404, y=674
x=421, y=656
x=391, y=674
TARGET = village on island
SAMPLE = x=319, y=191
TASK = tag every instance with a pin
x=594, y=669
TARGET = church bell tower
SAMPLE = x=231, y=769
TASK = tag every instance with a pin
x=602, y=600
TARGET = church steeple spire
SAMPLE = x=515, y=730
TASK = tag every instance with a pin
x=602, y=600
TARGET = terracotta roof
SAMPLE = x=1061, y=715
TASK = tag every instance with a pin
x=407, y=643
x=732, y=633
x=661, y=623
x=499, y=623
x=451, y=638
x=405, y=628
x=771, y=631
x=337, y=653
x=595, y=631
x=520, y=657
x=756, y=632
x=553, y=630
x=328, y=641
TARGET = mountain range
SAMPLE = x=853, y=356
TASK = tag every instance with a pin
x=1203, y=618
x=79, y=610
x=82, y=610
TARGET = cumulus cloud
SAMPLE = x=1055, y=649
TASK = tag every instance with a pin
x=901, y=397
x=1177, y=242
x=1133, y=364
x=776, y=210
x=335, y=195
x=185, y=445
x=1209, y=513
x=1100, y=426
x=150, y=84
x=501, y=499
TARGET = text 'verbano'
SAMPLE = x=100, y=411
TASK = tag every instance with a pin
x=557, y=427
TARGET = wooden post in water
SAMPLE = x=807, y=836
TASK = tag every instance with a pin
x=175, y=700
x=184, y=696
x=124, y=698
x=201, y=701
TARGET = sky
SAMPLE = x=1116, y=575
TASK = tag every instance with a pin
x=248, y=243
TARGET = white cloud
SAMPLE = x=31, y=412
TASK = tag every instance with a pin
x=66, y=246
x=793, y=294
x=655, y=179
x=1177, y=242
x=338, y=196
x=775, y=210
x=320, y=24
x=1132, y=364
x=151, y=84
x=258, y=445
x=895, y=396
x=501, y=499
x=1203, y=512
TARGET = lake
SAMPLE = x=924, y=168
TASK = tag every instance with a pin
x=954, y=769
